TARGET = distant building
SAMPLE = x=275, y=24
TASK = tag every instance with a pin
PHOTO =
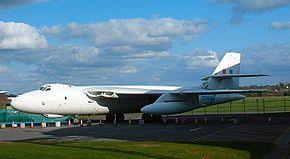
x=4, y=101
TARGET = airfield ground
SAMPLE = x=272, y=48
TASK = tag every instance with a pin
x=151, y=140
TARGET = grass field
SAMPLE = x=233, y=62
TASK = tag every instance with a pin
x=129, y=149
x=249, y=105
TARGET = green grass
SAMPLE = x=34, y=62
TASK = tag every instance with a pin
x=130, y=149
x=252, y=105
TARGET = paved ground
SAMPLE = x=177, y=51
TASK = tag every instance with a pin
x=156, y=132
x=278, y=133
x=253, y=133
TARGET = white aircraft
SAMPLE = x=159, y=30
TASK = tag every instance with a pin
x=56, y=100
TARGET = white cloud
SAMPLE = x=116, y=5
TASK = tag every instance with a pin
x=148, y=54
x=54, y=30
x=280, y=25
x=242, y=7
x=271, y=57
x=87, y=65
x=20, y=36
x=201, y=59
x=128, y=69
x=112, y=52
x=120, y=41
x=131, y=32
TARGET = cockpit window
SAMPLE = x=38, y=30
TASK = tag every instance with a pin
x=45, y=88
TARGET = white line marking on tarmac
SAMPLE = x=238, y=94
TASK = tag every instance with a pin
x=192, y=130
x=216, y=132
x=282, y=139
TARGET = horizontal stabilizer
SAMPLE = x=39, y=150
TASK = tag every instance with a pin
x=234, y=76
x=224, y=91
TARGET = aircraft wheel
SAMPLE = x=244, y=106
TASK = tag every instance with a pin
x=151, y=118
x=76, y=120
x=120, y=117
x=146, y=117
x=157, y=118
x=110, y=117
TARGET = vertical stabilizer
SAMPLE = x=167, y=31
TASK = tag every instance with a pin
x=230, y=64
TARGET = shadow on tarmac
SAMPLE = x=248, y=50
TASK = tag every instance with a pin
x=155, y=132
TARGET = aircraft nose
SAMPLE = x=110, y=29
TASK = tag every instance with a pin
x=16, y=103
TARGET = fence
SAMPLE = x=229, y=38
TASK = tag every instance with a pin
x=11, y=115
x=251, y=105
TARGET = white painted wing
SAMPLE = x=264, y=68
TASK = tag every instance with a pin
x=114, y=92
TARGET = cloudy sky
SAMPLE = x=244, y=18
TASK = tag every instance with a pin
x=139, y=42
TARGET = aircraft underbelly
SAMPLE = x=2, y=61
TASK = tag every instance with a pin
x=127, y=104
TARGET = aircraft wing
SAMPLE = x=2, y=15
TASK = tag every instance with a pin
x=114, y=92
x=170, y=99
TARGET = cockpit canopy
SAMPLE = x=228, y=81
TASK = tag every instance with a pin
x=45, y=88
x=49, y=87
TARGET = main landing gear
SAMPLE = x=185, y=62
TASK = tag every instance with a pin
x=120, y=117
x=112, y=117
x=151, y=118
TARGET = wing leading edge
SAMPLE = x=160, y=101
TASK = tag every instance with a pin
x=114, y=92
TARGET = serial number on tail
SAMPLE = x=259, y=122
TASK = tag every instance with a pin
x=206, y=99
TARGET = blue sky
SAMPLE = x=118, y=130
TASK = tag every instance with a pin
x=139, y=42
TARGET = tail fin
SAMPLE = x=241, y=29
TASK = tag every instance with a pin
x=227, y=73
x=230, y=64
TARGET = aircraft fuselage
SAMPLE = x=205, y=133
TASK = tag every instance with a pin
x=65, y=99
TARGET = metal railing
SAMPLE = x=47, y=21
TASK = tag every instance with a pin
x=11, y=115
x=259, y=105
